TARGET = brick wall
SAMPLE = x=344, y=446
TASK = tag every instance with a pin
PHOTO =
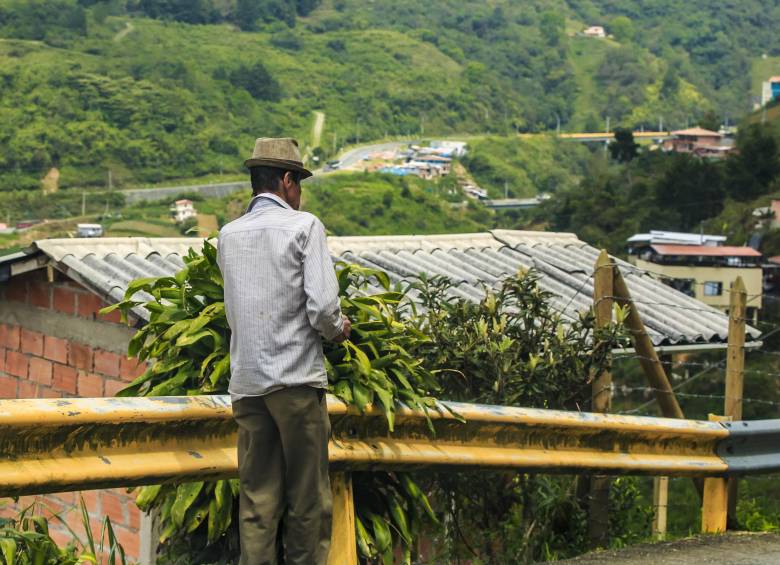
x=34, y=364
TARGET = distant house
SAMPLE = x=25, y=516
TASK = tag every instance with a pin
x=441, y=163
x=449, y=148
x=699, y=265
x=595, y=31
x=698, y=141
x=770, y=90
x=183, y=210
x=768, y=216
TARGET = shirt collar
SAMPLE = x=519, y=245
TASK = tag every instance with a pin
x=272, y=197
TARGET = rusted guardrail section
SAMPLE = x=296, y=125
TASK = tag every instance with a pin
x=80, y=443
x=86, y=443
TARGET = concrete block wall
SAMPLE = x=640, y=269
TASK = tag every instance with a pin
x=55, y=344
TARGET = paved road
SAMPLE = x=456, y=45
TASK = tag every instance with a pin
x=354, y=156
x=219, y=190
x=727, y=549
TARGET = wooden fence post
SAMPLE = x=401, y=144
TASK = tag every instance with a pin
x=343, y=545
x=645, y=350
x=601, y=397
x=735, y=373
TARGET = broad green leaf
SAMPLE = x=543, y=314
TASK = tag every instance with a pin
x=186, y=494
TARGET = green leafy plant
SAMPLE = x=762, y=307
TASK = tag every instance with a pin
x=25, y=540
x=187, y=339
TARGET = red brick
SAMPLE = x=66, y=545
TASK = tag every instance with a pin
x=64, y=378
x=29, y=390
x=67, y=498
x=90, y=386
x=113, y=506
x=2, y=359
x=88, y=305
x=64, y=300
x=39, y=294
x=133, y=515
x=10, y=336
x=90, y=498
x=16, y=364
x=55, y=349
x=130, y=541
x=16, y=290
x=112, y=387
x=40, y=371
x=130, y=368
x=114, y=317
x=31, y=342
x=8, y=387
x=106, y=363
x=80, y=356
x=60, y=536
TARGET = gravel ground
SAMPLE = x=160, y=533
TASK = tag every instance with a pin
x=727, y=549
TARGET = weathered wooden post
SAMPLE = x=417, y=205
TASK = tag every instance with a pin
x=648, y=358
x=660, y=506
x=735, y=374
x=601, y=398
x=343, y=546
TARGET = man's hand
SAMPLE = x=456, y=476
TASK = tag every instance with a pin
x=345, y=331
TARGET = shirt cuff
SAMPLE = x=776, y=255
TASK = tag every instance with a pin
x=338, y=328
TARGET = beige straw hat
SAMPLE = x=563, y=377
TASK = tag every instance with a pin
x=279, y=152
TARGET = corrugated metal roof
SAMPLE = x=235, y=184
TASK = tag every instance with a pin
x=471, y=261
x=707, y=250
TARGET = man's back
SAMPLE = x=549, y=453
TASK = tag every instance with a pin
x=280, y=295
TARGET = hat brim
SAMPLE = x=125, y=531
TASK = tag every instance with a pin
x=280, y=164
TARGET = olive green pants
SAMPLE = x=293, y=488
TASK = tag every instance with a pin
x=283, y=469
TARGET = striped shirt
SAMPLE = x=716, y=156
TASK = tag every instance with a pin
x=281, y=297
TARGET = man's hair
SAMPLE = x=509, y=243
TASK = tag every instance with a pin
x=266, y=179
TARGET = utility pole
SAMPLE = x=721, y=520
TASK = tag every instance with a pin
x=83, y=203
x=334, y=143
x=660, y=123
x=110, y=184
x=506, y=189
x=558, y=125
x=607, y=124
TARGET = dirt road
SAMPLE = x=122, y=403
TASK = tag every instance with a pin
x=727, y=549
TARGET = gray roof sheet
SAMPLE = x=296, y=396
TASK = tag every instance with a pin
x=471, y=261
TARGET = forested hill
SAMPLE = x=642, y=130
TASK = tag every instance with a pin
x=159, y=89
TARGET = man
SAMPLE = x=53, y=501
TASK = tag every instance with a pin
x=281, y=296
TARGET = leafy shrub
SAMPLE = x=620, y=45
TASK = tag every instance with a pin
x=25, y=540
x=188, y=338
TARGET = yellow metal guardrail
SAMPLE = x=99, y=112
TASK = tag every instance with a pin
x=81, y=443
x=87, y=443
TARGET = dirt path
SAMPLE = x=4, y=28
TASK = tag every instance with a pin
x=123, y=32
x=316, y=130
x=727, y=549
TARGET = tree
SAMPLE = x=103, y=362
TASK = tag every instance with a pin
x=247, y=14
x=622, y=28
x=710, y=121
x=756, y=164
x=623, y=149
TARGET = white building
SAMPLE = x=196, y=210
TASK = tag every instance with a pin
x=595, y=31
x=183, y=210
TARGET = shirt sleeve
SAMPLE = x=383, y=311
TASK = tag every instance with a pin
x=320, y=285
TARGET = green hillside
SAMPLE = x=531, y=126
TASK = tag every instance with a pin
x=164, y=89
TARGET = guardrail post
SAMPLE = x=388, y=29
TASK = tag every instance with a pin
x=714, y=509
x=660, y=506
x=735, y=373
x=601, y=398
x=343, y=546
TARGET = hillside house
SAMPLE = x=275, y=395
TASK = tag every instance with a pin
x=696, y=140
x=443, y=164
x=595, y=31
x=183, y=210
x=700, y=266
x=770, y=90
